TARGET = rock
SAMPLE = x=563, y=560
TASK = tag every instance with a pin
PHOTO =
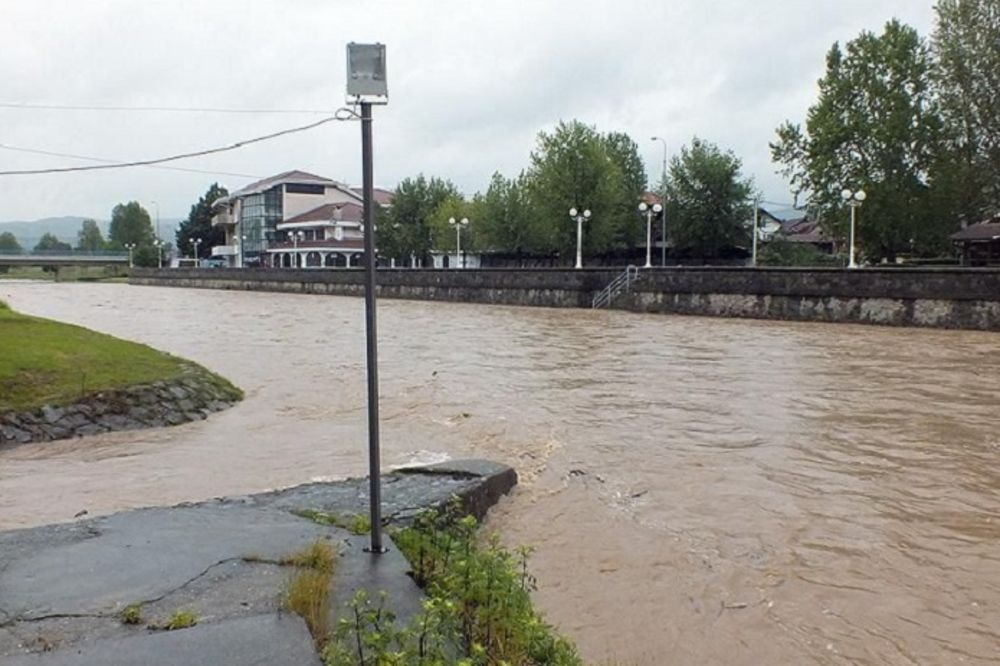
x=178, y=392
x=52, y=414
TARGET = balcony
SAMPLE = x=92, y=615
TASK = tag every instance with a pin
x=224, y=251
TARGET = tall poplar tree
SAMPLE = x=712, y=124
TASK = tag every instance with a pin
x=875, y=127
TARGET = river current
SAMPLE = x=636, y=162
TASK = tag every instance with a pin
x=697, y=491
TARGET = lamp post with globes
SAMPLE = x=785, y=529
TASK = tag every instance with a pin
x=663, y=220
x=458, y=224
x=854, y=200
x=130, y=247
x=159, y=252
x=650, y=212
x=196, y=242
x=296, y=236
x=579, y=217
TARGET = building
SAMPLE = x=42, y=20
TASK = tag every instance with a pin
x=293, y=219
x=980, y=243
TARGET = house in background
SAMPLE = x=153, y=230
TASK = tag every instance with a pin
x=267, y=221
x=980, y=243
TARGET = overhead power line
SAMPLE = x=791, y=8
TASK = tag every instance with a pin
x=168, y=109
x=172, y=158
x=50, y=153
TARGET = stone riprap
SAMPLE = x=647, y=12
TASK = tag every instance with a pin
x=193, y=395
x=967, y=298
x=63, y=587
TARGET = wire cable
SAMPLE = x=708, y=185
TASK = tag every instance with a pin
x=50, y=153
x=169, y=109
x=172, y=158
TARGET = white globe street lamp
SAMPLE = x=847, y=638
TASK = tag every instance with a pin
x=650, y=212
x=854, y=200
x=576, y=215
x=196, y=242
x=130, y=247
x=458, y=224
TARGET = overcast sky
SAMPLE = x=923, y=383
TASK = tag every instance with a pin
x=470, y=84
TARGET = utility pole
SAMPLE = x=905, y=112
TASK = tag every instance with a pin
x=366, y=84
x=756, y=220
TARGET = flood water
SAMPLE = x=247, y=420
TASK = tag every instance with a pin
x=698, y=491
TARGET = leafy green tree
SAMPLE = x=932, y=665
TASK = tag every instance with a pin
x=199, y=224
x=444, y=233
x=8, y=242
x=709, y=202
x=90, y=238
x=572, y=168
x=130, y=224
x=49, y=243
x=968, y=83
x=875, y=127
x=504, y=217
x=624, y=153
x=408, y=227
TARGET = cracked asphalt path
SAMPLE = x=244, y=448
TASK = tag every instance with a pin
x=63, y=587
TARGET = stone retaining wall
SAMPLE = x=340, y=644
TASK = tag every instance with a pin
x=193, y=395
x=942, y=298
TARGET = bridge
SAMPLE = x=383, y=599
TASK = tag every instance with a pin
x=67, y=264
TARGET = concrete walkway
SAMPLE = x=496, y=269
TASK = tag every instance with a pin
x=63, y=587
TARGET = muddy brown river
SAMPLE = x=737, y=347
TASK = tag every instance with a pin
x=698, y=491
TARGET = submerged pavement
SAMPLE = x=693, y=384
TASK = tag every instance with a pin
x=63, y=588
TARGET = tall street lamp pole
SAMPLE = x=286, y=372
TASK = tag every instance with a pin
x=367, y=85
x=756, y=227
x=655, y=209
x=196, y=242
x=663, y=220
x=854, y=200
x=130, y=247
x=458, y=224
x=576, y=215
x=157, y=219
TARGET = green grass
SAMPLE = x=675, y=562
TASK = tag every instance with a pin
x=308, y=593
x=47, y=362
x=181, y=619
x=132, y=614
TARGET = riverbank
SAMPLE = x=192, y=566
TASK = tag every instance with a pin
x=959, y=298
x=209, y=582
x=62, y=381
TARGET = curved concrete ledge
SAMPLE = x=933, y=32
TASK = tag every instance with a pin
x=193, y=395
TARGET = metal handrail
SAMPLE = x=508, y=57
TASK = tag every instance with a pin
x=621, y=283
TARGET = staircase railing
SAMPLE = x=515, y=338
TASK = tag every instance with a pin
x=622, y=283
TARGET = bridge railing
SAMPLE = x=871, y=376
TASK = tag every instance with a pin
x=104, y=254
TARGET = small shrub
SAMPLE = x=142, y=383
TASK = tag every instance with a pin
x=358, y=523
x=478, y=609
x=132, y=614
x=181, y=619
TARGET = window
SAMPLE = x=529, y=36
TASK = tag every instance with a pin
x=301, y=188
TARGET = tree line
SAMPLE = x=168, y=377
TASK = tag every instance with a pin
x=575, y=166
x=915, y=123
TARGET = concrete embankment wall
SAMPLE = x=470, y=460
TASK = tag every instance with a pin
x=942, y=298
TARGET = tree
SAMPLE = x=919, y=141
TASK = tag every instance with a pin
x=443, y=232
x=624, y=153
x=408, y=228
x=968, y=82
x=90, y=238
x=572, y=168
x=875, y=127
x=130, y=224
x=8, y=242
x=49, y=243
x=199, y=224
x=709, y=202
x=504, y=217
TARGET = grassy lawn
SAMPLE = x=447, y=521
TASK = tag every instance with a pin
x=47, y=362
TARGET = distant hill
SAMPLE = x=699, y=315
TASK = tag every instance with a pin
x=66, y=228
